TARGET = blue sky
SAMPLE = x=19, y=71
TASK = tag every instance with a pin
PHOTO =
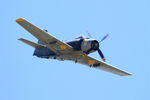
x=25, y=77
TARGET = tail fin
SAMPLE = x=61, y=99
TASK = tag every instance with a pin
x=35, y=45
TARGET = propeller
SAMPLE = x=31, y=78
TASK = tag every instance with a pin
x=101, y=54
x=88, y=33
x=104, y=37
x=99, y=51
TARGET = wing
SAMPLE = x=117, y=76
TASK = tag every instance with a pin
x=35, y=45
x=87, y=60
x=50, y=41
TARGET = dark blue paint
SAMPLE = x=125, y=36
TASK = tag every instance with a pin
x=43, y=52
x=76, y=44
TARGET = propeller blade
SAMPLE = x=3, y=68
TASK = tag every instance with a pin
x=101, y=54
x=89, y=34
x=104, y=37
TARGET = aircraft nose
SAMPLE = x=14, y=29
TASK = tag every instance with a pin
x=95, y=45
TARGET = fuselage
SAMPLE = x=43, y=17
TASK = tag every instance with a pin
x=85, y=45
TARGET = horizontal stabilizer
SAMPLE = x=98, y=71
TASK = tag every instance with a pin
x=35, y=45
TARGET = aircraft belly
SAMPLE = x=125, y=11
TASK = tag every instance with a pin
x=66, y=57
x=70, y=56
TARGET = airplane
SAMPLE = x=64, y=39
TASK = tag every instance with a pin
x=76, y=50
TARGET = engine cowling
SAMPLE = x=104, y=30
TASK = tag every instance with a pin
x=89, y=45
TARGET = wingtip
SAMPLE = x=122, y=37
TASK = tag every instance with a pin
x=20, y=20
x=20, y=39
x=128, y=74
